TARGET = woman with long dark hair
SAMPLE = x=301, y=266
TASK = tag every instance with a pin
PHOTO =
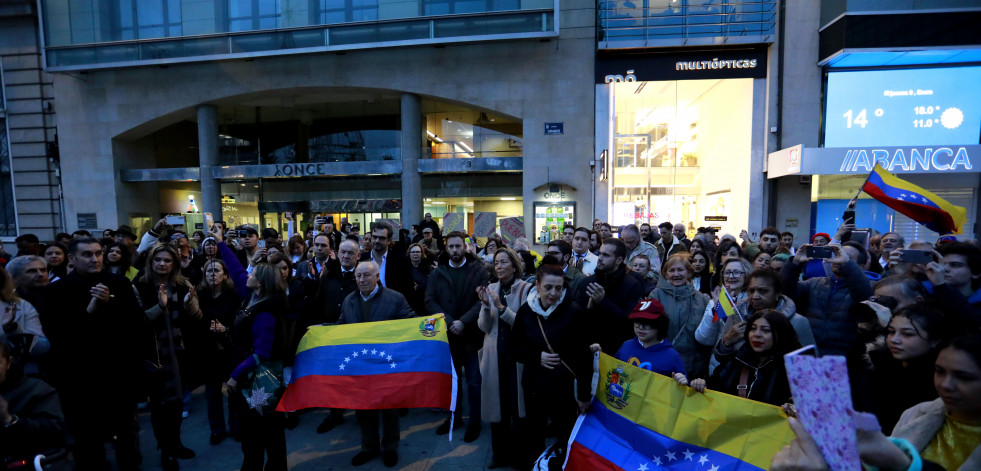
x=120, y=261
x=258, y=335
x=170, y=305
x=702, y=277
x=913, y=340
x=757, y=371
x=419, y=267
x=219, y=303
x=56, y=256
x=551, y=338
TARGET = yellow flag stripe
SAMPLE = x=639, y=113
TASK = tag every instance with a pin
x=399, y=330
x=749, y=430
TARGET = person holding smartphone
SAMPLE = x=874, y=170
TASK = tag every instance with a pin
x=826, y=301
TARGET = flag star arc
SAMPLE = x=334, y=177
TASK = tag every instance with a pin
x=703, y=459
x=688, y=454
x=714, y=468
x=670, y=456
x=642, y=467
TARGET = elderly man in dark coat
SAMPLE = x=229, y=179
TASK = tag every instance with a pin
x=374, y=303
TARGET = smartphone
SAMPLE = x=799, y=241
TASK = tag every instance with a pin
x=916, y=256
x=209, y=221
x=261, y=243
x=175, y=220
x=861, y=236
x=820, y=252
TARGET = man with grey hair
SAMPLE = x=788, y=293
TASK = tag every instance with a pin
x=30, y=275
x=373, y=303
x=890, y=241
x=637, y=246
x=679, y=232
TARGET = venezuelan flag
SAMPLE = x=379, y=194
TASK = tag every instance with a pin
x=644, y=421
x=916, y=203
x=725, y=307
x=373, y=365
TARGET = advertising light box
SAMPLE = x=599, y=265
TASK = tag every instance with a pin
x=911, y=107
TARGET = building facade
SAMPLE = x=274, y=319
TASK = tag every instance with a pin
x=373, y=110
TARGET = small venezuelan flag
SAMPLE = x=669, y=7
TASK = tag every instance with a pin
x=644, y=421
x=916, y=203
x=373, y=365
x=725, y=307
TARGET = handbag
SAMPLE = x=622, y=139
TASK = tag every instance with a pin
x=264, y=386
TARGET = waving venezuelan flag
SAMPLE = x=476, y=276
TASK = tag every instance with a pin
x=373, y=365
x=644, y=421
x=916, y=203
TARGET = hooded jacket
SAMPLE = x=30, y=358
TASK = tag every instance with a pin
x=684, y=306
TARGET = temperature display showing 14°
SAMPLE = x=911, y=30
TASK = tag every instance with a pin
x=903, y=107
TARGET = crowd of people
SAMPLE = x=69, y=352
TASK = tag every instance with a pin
x=84, y=315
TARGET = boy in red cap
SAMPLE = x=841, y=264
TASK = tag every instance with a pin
x=650, y=350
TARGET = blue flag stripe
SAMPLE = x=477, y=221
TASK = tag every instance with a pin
x=900, y=194
x=373, y=359
x=621, y=442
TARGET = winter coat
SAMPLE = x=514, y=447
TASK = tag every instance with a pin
x=921, y=423
x=387, y=304
x=767, y=382
x=440, y=297
x=566, y=330
x=889, y=377
x=22, y=319
x=826, y=302
x=491, y=322
x=40, y=424
x=611, y=316
x=684, y=306
x=665, y=252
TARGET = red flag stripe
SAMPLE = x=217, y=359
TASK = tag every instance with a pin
x=584, y=459
x=390, y=391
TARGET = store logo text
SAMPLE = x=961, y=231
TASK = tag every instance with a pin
x=716, y=64
x=297, y=170
x=943, y=158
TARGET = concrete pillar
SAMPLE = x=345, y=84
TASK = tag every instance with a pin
x=411, y=151
x=208, y=159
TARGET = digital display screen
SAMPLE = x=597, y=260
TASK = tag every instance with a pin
x=910, y=107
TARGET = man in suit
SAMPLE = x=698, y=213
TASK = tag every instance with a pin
x=373, y=303
x=309, y=270
x=582, y=258
x=393, y=267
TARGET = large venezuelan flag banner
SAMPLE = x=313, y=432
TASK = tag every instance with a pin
x=373, y=365
x=644, y=421
x=918, y=204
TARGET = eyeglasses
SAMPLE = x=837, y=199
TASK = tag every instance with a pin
x=732, y=274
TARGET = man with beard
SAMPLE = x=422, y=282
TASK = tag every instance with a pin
x=393, y=267
x=610, y=295
x=452, y=291
x=97, y=313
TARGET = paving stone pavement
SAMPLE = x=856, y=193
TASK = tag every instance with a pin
x=420, y=448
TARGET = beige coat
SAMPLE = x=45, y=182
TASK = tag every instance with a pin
x=920, y=423
x=490, y=387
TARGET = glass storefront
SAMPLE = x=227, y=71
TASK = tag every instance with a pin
x=681, y=152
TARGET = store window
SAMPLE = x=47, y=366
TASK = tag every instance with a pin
x=8, y=215
x=681, y=152
x=247, y=15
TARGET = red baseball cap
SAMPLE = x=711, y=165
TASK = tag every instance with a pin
x=647, y=309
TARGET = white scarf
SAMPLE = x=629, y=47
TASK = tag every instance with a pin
x=535, y=304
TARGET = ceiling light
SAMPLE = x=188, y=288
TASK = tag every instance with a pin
x=465, y=146
x=508, y=198
x=438, y=202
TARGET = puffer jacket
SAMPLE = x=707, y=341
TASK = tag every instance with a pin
x=684, y=306
x=826, y=302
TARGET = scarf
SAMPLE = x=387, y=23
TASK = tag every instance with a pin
x=535, y=303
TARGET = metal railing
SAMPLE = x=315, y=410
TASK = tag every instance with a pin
x=681, y=21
